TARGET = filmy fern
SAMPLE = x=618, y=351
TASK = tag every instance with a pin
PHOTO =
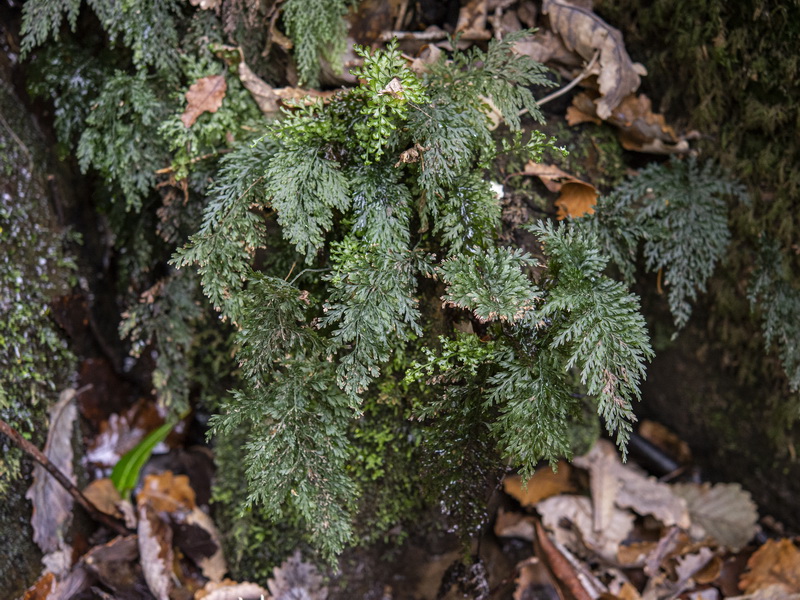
x=680, y=212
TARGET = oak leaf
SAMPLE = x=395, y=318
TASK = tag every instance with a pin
x=725, y=511
x=204, y=95
x=776, y=563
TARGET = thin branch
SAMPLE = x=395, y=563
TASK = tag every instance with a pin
x=560, y=92
x=73, y=491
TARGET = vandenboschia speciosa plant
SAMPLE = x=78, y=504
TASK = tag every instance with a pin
x=331, y=242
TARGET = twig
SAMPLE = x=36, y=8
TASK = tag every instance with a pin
x=73, y=491
x=560, y=92
x=170, y=168
x=434, y=35
x=558, y=565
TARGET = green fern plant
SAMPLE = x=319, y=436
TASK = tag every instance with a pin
x=370, y=189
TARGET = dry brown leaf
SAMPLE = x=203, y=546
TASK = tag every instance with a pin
x=514, y=524
x=550, y=175
x=199, y=539
x=639, y=128
x=155, y=550
x=426, y=56
x=533, y=581
x=725, y=511
x=52, y=504
x=628, y=592
x=167, y=492
x=42, y=588
x=297, y=579
x=472, y=16
x=269, y=98
x=776, y=563
x=576, y=200
x=230, y=590
x=103, y=494
x=575, y=116
x=586, y=33
x=634, y=555
x=115, y=565
x=629, y=489
x=576, y=513
x=204, y=95
x=543, y=484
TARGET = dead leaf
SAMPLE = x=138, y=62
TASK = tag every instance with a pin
x=514, y=524
x=725, y=511
x=634, y=555
x=629, y=489
x=198, y=538
x=550, y=175
x=426, y=56
x=230, y=590
x=204, y=95
x=586, y=33
x=576, y=200
x=42, y=588
x=155, y=550
x=269, y=98
x=166, y=492
x=103, y=494
x=533, y=581
x=543, y=484
x=115, y=565
x=776, y=563
x=571, y=520
x=639, y=128
x=52, y=504
x=297, y=579
x=472, y=16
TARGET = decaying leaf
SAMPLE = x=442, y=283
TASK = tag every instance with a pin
x=269, y=98
x=204, y=95
x=52, y=504
x=533, y=581
x=167, y=492
x=577, y=199
x=571, y=520
x=297, y=579
x=114, y=564
x=42, y=588
x=103, y=494
x=543, y=484
x=230, y=590
x=725, y=511
x=199, y=539
x=514, y=524
x=776, y=563
x=665, y=439
x=472, y=16
x=629, y=489
x=586, y=33
x=639, y=128
x=155, y=550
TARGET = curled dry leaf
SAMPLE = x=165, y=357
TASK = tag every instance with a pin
x=199, y=539
x=533, y=581
x=52, y=504
x=571, y=520
x=167, y=492
x=269, y=98
x=204, y=95
x=586, y=33
x=155, y=550
x=543, y=484
x=514, y=524
x=576, y=199
x=639, y=128
x=472, y=16
x=776, y=563
x=629, y=489
x=103, y=494
x=725, y=511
